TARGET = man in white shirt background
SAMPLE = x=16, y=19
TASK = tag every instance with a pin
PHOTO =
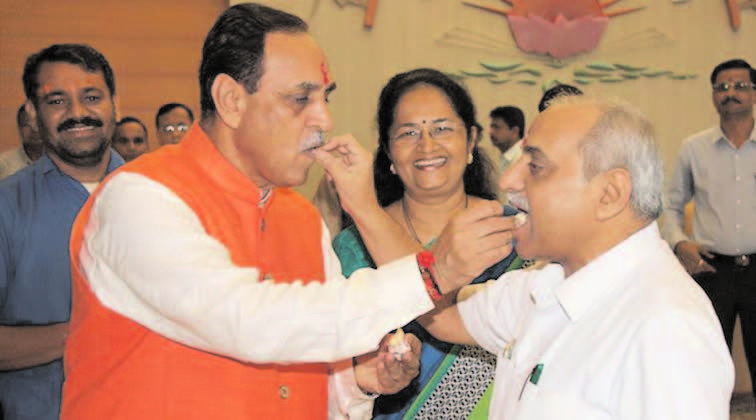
x=28, y=152
x=506, y=129
x=716, y=170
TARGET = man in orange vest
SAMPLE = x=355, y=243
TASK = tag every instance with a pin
x=205, y=288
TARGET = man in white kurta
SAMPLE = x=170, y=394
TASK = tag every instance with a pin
x=618, y=339
x=613, y=328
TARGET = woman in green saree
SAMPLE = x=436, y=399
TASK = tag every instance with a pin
x=428, y=168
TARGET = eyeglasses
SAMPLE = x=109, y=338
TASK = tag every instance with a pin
x=437, y=131
x=181, y=128
x=738, y=86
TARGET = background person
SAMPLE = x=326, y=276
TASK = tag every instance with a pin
x=31, y=149
x=716, y=170
x=172, y=121
x=506, y=130
x=70, y=91
x=130, y=140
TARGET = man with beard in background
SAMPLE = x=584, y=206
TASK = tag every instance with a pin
x=70, y=93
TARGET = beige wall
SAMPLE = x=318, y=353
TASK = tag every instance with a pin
x=691, y=37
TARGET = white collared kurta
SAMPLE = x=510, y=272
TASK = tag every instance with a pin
x=628, y=336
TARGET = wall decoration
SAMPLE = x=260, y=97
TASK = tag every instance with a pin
x=502, y=72
x=370, y=7
x=619, y=44
x=556, y=27
x=734, y=8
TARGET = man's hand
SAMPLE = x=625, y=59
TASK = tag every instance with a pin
x=380, y=372
x=350, y=167
x=691, y=256
x=472, y=241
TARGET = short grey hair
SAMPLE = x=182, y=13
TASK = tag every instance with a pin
x=623, y=137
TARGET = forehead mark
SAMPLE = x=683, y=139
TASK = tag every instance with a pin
x=324, y=72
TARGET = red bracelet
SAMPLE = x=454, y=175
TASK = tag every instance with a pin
x=425, y=262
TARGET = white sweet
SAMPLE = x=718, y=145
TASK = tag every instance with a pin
x=397, y=345
x=521, y=218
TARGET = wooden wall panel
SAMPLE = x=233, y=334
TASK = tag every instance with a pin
x=153, y=47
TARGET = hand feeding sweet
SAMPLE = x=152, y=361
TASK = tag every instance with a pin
x=398, y=345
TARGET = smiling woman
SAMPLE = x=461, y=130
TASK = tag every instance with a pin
x=427, y=169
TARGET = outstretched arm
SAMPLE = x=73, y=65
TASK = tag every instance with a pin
x=445, y=322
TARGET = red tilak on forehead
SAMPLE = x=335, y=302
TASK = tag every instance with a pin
x=46, y=88
x=326, y=76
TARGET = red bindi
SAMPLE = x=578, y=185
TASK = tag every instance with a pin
x=324, y=71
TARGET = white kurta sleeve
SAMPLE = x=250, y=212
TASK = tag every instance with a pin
x=490, y=315
x=147, y=257
x=345, y=399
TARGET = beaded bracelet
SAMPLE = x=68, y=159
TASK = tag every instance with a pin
x=425, y=261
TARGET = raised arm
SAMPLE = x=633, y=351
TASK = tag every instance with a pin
x=351, y=168
x=471, y=242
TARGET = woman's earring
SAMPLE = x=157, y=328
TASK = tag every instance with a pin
x=469, y=158
x=392, y=169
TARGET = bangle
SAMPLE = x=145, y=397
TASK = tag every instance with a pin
x=425, y=261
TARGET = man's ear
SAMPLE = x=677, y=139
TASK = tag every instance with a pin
x=31, y=113
x=614, y=190
x=474, y=138
x=116, y=108
x=228, y=96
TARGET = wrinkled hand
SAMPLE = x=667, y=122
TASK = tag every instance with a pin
x=350, y=167
x=472, y=241
x=380, y=372
x=691, y=256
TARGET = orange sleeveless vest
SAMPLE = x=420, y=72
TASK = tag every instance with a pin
x=117, y=369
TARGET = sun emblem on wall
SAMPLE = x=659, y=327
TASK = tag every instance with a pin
x=559, y=28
